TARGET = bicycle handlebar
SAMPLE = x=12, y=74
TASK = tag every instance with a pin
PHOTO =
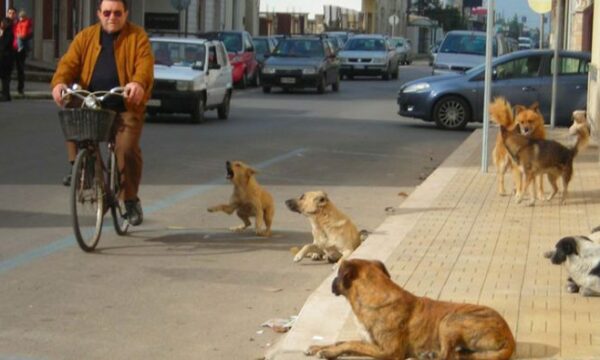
x=90, y=99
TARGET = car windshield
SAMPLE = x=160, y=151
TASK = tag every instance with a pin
x=261, y=46
x=473, y=44
x=178, y=53
x=365, y=44
x=233, y=42
x=299, y=48
x=397, y=42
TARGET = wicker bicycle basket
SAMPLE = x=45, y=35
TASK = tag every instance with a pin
x=86, y=124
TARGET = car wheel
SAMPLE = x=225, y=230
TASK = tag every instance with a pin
x=266, y=89
x=198, y=113
x=386, y=74
x=451, y=113
x=336, y=85
x=244, y=81
x=322, y=85
x=256, y=81
x=223, y=109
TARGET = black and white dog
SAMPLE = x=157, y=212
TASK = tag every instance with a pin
x=583, y=265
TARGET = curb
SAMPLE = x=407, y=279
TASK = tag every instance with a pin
x=32, y=95
x=323, y=315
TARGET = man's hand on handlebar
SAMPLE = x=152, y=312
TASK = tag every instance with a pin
x=57, y=93
x=134, y=93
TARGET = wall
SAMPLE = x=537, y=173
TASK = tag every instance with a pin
x=593, y=105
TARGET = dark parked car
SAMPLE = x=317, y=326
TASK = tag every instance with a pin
x=302, y=62
x=242, y=56
x=523, y=77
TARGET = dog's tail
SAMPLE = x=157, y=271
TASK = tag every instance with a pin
x=364, y=234
x=502, y=113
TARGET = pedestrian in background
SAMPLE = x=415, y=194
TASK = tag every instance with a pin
x=22, y=30
x=6, y=56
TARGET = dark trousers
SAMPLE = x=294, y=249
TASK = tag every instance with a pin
x=6, y=87
x=20, y=65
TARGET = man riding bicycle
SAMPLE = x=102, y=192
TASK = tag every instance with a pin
x=112, y=53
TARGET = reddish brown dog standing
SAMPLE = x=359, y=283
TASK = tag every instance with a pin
x=401, y=325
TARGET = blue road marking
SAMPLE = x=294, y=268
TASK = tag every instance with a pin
x=29, y=256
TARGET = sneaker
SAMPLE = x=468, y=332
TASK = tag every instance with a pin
x=134, y=214
x=66, y=181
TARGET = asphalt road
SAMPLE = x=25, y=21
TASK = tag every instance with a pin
x=182, y=286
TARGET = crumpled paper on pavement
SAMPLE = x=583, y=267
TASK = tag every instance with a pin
x=280, y=325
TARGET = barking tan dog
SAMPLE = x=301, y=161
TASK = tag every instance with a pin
x=401, y=325
x=530, y=123
x=334, y=234
x=249, y=199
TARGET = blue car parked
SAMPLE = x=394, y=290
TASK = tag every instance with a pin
x=523, y=77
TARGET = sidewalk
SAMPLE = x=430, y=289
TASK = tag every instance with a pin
x=33, y=90
x=455, y=238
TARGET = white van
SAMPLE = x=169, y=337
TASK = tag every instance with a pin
x=461, y=50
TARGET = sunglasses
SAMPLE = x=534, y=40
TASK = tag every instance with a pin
x=116, y=13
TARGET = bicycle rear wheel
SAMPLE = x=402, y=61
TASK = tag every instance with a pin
x=117, y=208
x=87, y=200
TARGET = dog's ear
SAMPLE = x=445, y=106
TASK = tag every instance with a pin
x=535, y=107
x=382, y=267
x=519, y=108
x=251, y=171
x=347, y=273
x=322, y=200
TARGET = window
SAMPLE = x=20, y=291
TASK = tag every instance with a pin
x=571, y=66
x=247, y=42
x=526, y=67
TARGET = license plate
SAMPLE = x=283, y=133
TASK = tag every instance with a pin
x=153, y=102
x=359, y=67
x=288, y=80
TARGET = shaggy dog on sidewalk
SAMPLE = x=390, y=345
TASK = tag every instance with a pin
x=582, y=255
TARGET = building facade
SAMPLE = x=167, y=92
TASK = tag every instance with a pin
x=377, y=13
x=57, y=21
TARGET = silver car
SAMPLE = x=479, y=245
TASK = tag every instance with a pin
x=369, y=55
x=403, y=48
x=461, y=50
x=523, y=77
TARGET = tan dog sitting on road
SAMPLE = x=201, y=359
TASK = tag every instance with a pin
x=249, y=199
x=334, y=234
x=400, y=325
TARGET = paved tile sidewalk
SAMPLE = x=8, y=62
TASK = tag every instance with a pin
x=455, y=239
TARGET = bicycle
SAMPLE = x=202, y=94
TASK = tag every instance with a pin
x=95, y=185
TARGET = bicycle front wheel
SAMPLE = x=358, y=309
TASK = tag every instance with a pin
x=87, y=200
x=117, y=208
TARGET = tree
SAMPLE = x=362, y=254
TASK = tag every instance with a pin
x=515, y=27
x=449, y=18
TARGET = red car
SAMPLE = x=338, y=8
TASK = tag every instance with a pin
x=242, y=56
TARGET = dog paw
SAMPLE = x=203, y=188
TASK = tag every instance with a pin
x=316, y=256
x=572, y=288
x=238, y=228
x=313, y=350
x=211, y=209
x=264, y=233
x=298, y=257
x=589, y=292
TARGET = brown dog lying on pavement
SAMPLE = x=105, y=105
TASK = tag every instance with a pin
x=401, y=325
x=249, y=199
x=334, y=234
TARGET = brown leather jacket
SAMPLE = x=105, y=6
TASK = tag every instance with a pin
x=133, y=55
